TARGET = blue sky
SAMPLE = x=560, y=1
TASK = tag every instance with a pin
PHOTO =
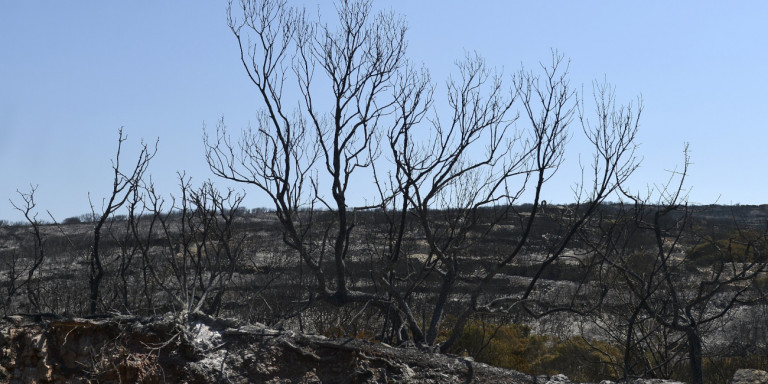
x=74, y=72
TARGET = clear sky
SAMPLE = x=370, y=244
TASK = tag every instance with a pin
x=72, y=73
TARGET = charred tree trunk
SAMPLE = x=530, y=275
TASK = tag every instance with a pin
x=695, y=356
x=97, y=270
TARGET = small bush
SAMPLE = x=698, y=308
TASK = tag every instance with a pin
x=641, y=262
x=72, y=220
x=761, y=282
x=579, y=359
x=513, y=346
x=720, y=251
x=506, y=345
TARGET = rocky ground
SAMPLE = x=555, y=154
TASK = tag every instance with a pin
x=201, y=349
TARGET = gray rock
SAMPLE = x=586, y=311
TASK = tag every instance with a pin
x=200, y=349
x=750, y=376
x=645, y=381
x=551, y=379
x=558, y=379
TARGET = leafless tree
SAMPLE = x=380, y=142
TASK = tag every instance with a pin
x=447, y=176
x=306, y=156
x=142, y=222
x=201, y=248
x=647, y=348
x=13, y=268
x=442, y=180
x=123, y=184
x=27, y=207
x=676, y=289
x=298, y=152
x=125, y=289
x=222, y=245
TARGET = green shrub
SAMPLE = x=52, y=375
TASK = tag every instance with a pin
x=739, y=247
x=505, y=345
x=579, y=359
x=513, y=346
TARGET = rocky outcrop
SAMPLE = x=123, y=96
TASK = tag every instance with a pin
x=200, y=349
x=750, y=376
